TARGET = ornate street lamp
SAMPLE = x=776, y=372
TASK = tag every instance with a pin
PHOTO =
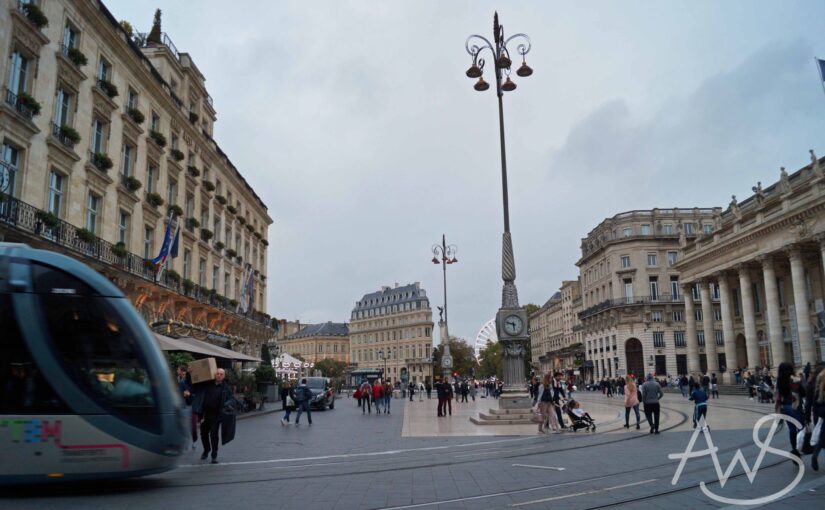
x=382, y=357
x=511, y=320
x=444, y=254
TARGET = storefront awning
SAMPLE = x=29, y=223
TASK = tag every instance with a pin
x=189, y=344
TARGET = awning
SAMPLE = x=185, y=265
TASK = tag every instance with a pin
x=189, y=344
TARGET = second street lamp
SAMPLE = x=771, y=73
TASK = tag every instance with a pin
x=444, y=254
x=511, y=319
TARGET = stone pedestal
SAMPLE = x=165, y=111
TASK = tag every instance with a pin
x=515, y=400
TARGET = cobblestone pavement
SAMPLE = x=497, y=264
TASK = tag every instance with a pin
x=348, y=460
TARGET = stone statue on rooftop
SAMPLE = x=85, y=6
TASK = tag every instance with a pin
x=758, y=193
x=815, y=167
x=734, y=208
x=784, y=182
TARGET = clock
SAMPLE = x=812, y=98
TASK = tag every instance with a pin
x=513, y=325
x=447, y=362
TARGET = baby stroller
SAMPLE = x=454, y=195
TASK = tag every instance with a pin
x=765, y=392
x=579, y=418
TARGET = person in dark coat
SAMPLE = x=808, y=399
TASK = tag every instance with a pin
x=187, y=392
x=213, y=402
x=441, y=392
x=288, y=407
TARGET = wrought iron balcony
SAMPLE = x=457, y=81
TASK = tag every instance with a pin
x=14, y=101
x=57, y=132
x=21, y=216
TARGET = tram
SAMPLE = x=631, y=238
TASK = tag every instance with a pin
x=85, y=392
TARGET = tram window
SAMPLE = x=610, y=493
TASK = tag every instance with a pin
x=48, y=280
x=23, y=390
x=101, y=353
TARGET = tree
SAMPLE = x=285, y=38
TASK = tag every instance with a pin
x=463, y=357
x=266, y=358
x=127, y=27
x=178, y=358
x=264, y=374
x=491, y=361
x=331, y=368
x=531, y=308
x=154, y=34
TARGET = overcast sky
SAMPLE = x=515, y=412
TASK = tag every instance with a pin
x=356, y=125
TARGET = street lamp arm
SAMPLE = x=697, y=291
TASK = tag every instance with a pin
x=475, y=49
x=523, y=47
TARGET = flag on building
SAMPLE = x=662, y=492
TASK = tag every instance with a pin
x=247, y=291
x=169, y=248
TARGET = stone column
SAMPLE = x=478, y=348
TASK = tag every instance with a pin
x=727, y=328
x=691, y=341
x=774, y=319
x=707, y=328
x=748, y=317
x=803, y=314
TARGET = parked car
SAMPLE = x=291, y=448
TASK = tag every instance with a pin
x=322, y=394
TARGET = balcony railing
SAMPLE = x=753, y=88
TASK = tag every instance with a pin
x=57, y=132
x=630, y=301
x=22, y=216
x=14, y=101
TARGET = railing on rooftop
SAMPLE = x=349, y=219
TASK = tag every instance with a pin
x=142, y=40
x=15, y=213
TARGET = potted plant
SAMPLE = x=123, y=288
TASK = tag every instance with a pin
x=250, y=228
x=188, y=285
x=231, y=209
x=193, y=117
x=35, y=15
x=231, y=253
x=148, y=264
x=119, y=249
x=220, y=299
x=77, y=57
x=173, y=275
x=157, y=137
x=176, y=210
x=85, y=235
x=257, y=235
x=69, y=133
x=219, y=246
x=177, y=155
x=233, y=303
x=264, y=242
x=208, y=186
x=102, y=161
x=241, y=220
x=154, y=200
x=28, y=101
x=240, y=259
x=108, y=87
x=192, y=223
x=206, y=234
x=133, y=184
x=193, y=171
x=136, y=115
x=47, y=218
x=221, y=199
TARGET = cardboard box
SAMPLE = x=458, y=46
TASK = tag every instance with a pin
x=202, y=370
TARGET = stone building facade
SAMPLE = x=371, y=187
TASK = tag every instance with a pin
x=107, y=135
x=762, y=268
x=316, y=342
x=556, y=331
x=633, y=315
x=393, y=329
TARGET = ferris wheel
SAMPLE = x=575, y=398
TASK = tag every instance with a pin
x=485, y=335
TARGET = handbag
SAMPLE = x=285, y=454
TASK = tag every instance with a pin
x=817, y=432
x=289, y=401
x=537, y=416
x=800, y=439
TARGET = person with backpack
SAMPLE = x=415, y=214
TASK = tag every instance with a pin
x=303, y=397
x=700, y=407
x=789, y=396
x=387, y=396
x=544, y=400
x=631, y=401
x=366, y=397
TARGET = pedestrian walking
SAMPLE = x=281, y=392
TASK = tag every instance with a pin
x=211, y=403
x=357, y=395
x=544, y=400
x=737, y=375
x=558, y=394
x=377, y=393
x=388, y=389
x=714, y=386
x=303, y=397
x=631, y=401
x=441, y=393
x=465, y=390
x=700, y=405
x=815, y=413
x=411, y=389
x=287, y=401
x=366, y=398
x=420, y=389
x=448, y=401
x=705, y=384
x=187, y=392
x=473, y=390
x=651, y=394
x=789, y=396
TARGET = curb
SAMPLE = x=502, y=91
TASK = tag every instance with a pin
x=257, y=413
